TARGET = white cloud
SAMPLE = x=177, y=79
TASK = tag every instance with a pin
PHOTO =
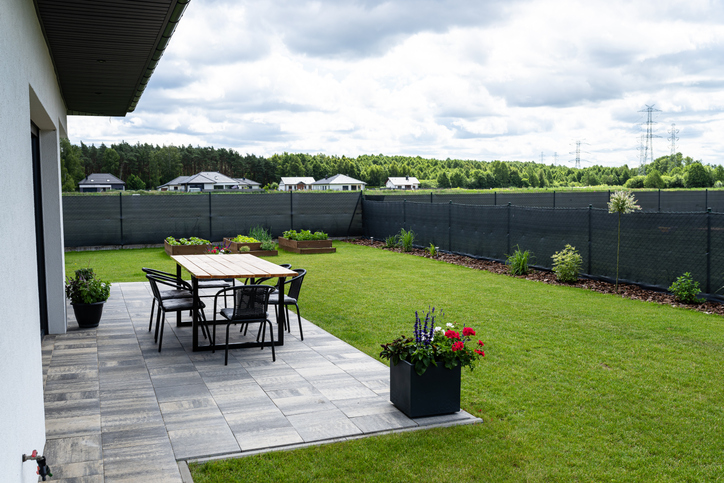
x=484, y=80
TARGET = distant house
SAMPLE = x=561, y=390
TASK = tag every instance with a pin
x=339, y=182
x=207, y=181
x=98, y=182
x=296, y=183
x=406, y=183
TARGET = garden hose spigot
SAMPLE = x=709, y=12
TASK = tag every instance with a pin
x=43, y=469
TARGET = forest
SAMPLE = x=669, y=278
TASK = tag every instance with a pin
x=145, y=167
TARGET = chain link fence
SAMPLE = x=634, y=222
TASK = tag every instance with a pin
x=656, y=248
x=143, y=220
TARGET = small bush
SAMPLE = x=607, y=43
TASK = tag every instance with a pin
x=685, y=289
x=391, y=241
x=259, y=233
x=405, y=239
x=518, y=261
x=244, y=248
x=567, y=264
x=432, y=250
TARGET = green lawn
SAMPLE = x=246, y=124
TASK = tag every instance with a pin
x=575, y=385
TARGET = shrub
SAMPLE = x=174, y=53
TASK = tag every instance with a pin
x=304, y=235
x=518, y=261
x=268, y=245
x=567, y=264
x=85, y=288
x=635, y=183
x=685, y=289
x=391, y=241
x=432, y=250
x=259, y=233
x=405, y=239
x=244, y=248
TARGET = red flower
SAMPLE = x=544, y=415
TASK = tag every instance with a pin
x=468, y=331
x=459, y=345
x=479, y=352
x=480, y=343
x=451, y=334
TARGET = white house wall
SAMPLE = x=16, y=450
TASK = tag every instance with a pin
x=28, y=91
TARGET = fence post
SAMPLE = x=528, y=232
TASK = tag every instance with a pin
x=211, y=228
x=706, y=198
x=495, y=198
x=449, y=226
x=354, y=212
x=404, y=213
x=590, y=213
x=430, y=197
x=554, y=198
x=291, y=209
x=507, y=236
x=659, y=199
x=708, y=250
x=120, y=206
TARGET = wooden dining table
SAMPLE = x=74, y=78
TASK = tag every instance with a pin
x=210, y=267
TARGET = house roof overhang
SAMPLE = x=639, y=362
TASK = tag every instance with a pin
x=104, y=51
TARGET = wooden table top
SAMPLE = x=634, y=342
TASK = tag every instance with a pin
x=230, y=266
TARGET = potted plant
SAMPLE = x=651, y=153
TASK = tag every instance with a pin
x=87, y=294
x=306, y=242
x=425, y=370
x=243, y=241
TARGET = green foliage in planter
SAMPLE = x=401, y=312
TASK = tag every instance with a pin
x=244, y=239
x=260, y=233
x=567, y=264
x=244, y=249
x=186, y=241
x=518, y=261
x=304, y=235
x=405, y=239
x=685, y=289
x=85, y=288
x=268, y=245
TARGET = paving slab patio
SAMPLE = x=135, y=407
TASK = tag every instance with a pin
x=117, y=410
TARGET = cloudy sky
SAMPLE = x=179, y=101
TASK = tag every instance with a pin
x=463, y=79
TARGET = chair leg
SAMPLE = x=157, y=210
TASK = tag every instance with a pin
x=158, y=322
x=286, y=321
x=226, y=349
x=150, y=320
x=271, y=332
x=299, y=318
x=160, y=338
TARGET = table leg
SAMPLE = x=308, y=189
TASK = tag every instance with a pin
x=281, y=322
x=178, y=314
x=195, y=323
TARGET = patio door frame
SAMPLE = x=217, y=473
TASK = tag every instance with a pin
x=39, y=231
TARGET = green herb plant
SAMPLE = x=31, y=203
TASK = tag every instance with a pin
x=304, y=235
x=622, y=202
x=187, y=241
x=244, y=239
x=518, y=261
x=432, y=250
x=567, y=264
x=685, y=289
x=391, y=241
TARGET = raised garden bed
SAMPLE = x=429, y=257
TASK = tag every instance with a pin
x=236, y=245
x=306, y=246
x=185, y=249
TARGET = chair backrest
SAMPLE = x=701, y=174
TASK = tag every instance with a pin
x=295, y=284
x=251, y=301
x=154, y=286
x=257, y=281
x=153, y=271
x=173, y=282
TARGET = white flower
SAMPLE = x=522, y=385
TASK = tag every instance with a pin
x=450, y=325
x=438, y=329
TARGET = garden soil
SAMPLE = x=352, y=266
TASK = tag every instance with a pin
x=624, y=290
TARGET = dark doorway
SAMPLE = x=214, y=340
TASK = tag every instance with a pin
x=39, y=233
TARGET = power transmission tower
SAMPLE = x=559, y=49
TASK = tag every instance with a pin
x=642, y=154
x=541, y=157
x=672, y=140
x=555, y=158
x=649, y=147
x=577, y=152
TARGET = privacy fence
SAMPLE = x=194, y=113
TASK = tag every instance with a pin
x=655, y=247
x=689, y=200
x=139, y=220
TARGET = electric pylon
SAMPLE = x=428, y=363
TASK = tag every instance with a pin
x=649, y=146
x=672, y=140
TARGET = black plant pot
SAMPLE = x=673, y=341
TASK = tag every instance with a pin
x=435, y=392
x=88, y=315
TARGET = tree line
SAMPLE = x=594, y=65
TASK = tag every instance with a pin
x=145, y=166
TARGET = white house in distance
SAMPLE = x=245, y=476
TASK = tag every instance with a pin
x=406, y=183
x=339, y=182
x=98, y=182
x=207, y=181
x=56, y=59
x=296, y=183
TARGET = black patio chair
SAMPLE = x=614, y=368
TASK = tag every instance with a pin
x=171, y=305
x=181, y=290
x=251, y=303
x=257, y=281
x=292, y=298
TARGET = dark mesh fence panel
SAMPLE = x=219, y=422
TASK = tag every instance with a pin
x=648, y=200
x=465, y=199
x=381, y=219
x=689, y=200
x=327, y=212
x=150, y=219
x=714, y=199
x=572, y=199
x=545, y=231
x=236, y=214
x=479, y=230
x=91, y=220
x=429, y=222
x=716, y=260
x=544, y=200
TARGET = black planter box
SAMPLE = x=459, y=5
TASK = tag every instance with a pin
x=436, y=392
x=88, y=315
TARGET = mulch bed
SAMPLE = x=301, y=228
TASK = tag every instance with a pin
x=625, y=290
